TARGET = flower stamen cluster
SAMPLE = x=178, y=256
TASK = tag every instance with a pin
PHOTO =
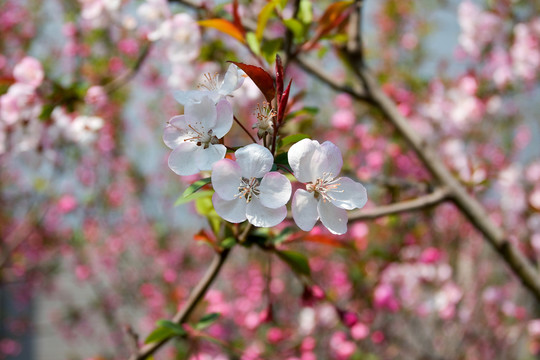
x=210, y=82
x=202, y=138
x=265, y=119
x=248, y=188
x=324, y=186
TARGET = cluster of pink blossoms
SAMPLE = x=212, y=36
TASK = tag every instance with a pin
x=246, y=188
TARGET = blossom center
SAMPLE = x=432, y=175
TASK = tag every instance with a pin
x=248, y=188
x=324, y=185
x=200, y=136
x=265, y=118
x=210, y=82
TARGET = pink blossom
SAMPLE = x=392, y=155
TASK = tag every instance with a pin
x=29, y=71
x=96, y=95
x=525, y=52
x=343, y=119
x=359, y=331
x=19, y=103
x=67, y=204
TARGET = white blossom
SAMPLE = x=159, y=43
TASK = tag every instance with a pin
x=247, y=189
x=194, y=136
x=212, y=87
x=326, y=196
x=83, y=129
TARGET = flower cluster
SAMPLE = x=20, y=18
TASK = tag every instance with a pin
x=246, y=188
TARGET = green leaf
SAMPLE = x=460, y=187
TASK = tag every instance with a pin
x=282, y=159
x=177, y=329
x=282, y=236
x=228, y=242
x=253, y=43
x=292, y=139
x=207, y=320
x=296, y=27
x=305, y=12
x=312, y=111
x=196, y=186
x=263, y=18
x=158, y=335
x=270, y=48
x=182, y=200
x=297, y=261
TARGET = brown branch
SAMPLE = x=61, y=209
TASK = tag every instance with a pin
x=129, y=74
x=196, y=296
x=244, y=128
x=468, y=205
x=436, y=197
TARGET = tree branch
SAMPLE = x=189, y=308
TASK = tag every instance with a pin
x=129, y=74
x=468, y=205
x=438, y=196
x=196, y=296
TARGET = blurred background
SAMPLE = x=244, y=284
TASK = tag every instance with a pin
x=94, y=250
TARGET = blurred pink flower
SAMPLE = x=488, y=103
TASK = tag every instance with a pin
x=29, y=71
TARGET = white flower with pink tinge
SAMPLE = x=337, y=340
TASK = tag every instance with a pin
x=212, y=87
x=194, y=136
x=247, y=189
x=326, y=196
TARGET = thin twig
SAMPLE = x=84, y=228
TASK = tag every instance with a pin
x=196, y=295
x=129, y=74
x=245, y=130
x=436, y=197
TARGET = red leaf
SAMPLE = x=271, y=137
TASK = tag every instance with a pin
x=326, y=240
x=333, y=13
x=279, y=78
x=225, y=27
x=236, y=17
x=282, y=104
x=261, y=78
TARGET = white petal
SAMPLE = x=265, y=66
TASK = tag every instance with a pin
x=207, y=157
x=349, y=194
x=275, y=190
x=333, y=158
x=226, y=176
x=300, y=159
x=231, y=81
x=174, y=133
x=182, y=159
x=304, y=209
x=261, y=216
x=231, y=210
x=201, y=114
x=254, y=160
x=334, y=218
x=224, y=119
x=185, y=97
x=326, y=161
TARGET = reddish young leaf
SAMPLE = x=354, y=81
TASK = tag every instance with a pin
x=333, y=16
x=237, y=19
x=225, y=27
x=261, y=78
x=279, y=78
x=282, y=103
x=333, y=12
x=326, y=240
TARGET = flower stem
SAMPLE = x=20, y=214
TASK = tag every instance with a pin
x=194, y=299
x=245, y=130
